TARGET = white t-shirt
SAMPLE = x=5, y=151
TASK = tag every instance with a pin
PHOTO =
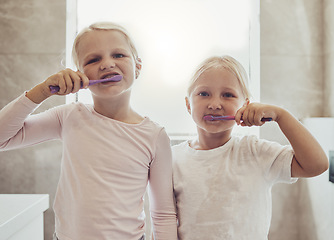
x=225, y=193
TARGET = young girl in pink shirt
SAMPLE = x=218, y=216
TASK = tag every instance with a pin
x=110, y=152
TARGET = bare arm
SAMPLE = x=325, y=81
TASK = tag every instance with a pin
x=309, y=159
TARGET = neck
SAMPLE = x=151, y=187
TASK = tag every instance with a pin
x=118, y=109
x=207, y=141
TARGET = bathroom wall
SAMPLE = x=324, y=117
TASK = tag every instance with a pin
x=297, y=73
x=32, y=47
x=296, y=54
x=328, y=7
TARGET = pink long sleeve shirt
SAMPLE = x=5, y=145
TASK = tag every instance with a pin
x=106, y=166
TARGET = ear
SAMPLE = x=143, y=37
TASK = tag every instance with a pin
x=188, y=105
x=138, y=67
x=246, y=102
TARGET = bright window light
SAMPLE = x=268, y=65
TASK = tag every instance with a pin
x=172, y=38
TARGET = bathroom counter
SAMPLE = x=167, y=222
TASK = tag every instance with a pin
x=21, y=216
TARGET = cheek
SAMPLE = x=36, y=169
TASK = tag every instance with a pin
x=238, y=104
x=88, y=71
x=197, y=108
x=232, y=108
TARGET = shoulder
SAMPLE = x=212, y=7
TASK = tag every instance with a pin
x=70, y=107
x=148, y=123
x=151, y=128
x=71, y=110
x=77, y=106
x=179, y=151
x=252, y=147
x=253, y=142
x=180, y=146
x=264, y=151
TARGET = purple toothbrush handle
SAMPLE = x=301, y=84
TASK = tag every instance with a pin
x=215, y=118
x=266, y=119
x=55, y=89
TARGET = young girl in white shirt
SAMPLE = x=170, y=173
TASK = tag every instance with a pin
x=222, y=183
x=110, y=152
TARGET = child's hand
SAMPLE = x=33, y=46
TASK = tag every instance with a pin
x=251, y=114
x=68, y=81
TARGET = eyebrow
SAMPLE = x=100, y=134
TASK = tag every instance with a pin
x=121, y=49
x=205, y=86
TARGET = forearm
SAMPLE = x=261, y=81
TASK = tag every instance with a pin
x=12, y=118
x=39, y=93
x=67, y=80
x=161, y=191
x=162, y=209
x=310, y=159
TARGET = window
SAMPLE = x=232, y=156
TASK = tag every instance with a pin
x=172, y=38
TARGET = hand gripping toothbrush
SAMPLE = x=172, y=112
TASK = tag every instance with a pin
x=116, y=78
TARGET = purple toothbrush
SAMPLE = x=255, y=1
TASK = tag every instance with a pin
x=215, y=118
x=116, y=78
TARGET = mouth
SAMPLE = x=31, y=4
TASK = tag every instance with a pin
x=212, y=117
x=108, y=75
x=110, y=78
x=217, y=117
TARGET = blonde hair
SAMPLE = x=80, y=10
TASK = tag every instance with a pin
x=228, y=63
x=103, y=26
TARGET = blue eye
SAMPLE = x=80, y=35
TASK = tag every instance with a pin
x=228, y=95
x=203, y=94
x=93, y=60
x=119, y=55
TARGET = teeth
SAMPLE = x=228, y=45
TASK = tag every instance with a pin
x=109, y=76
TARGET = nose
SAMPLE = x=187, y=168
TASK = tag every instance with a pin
x=107, y=64
x=215, y=104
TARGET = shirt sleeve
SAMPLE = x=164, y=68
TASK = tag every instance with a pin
x=18, y=128
x=275, y=160
x=161, y=191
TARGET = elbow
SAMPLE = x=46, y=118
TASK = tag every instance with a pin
x=315, y=168
x=325, y=165
x=322, y=167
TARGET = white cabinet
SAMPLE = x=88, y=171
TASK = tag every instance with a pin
x=21, y=216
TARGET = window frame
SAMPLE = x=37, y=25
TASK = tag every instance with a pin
x=253, y=70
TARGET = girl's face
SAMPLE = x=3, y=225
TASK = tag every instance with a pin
x=103, y=54
x=216, y=92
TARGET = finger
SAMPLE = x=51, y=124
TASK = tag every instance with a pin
x=245, y=117
x=239, y=114
x=76, y=81
x=51, y=81
x=84, y=79
x=257, y=119
x=252, y=116
x=59, y=81
x=69, y=83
